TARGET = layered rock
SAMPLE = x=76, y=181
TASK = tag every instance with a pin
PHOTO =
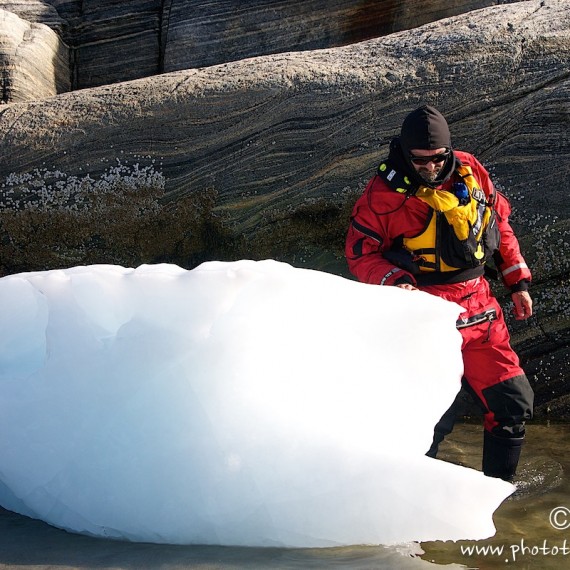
x=118, y=41
x=34, y=62
x=215, y=32
x=36, y=11
x=264, y=157
x=113, y=41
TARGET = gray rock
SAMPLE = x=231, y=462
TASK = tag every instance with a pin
x=35, y=11
x=34, y=62
x=114, y=41
x=216, y=32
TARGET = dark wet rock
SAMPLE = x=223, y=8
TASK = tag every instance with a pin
x=553, y=406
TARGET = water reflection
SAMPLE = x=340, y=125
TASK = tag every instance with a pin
x=524, y=532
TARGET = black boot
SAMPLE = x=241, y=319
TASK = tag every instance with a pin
x=444, y=427
x=501, y=455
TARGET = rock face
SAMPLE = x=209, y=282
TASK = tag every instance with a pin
x=216, y=32
x=107, y=41
x=34, y=62
x=264, y=157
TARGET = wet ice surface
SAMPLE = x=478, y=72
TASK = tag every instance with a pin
x=246, y=403
x=27, y=544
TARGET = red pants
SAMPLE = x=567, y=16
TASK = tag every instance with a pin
x=491, y=367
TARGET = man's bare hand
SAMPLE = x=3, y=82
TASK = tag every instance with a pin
x=523, y=305
x=407, y=286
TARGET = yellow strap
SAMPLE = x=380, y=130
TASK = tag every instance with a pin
x=439, y=200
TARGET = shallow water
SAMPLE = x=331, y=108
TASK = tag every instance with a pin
x=525, y=538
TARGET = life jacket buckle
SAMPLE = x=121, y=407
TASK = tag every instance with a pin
x=486, y=316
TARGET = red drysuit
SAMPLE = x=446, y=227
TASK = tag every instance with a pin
x=380, y=218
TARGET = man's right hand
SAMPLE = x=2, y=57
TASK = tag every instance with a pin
x=407, y=286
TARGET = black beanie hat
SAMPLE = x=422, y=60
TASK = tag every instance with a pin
x=426, y=129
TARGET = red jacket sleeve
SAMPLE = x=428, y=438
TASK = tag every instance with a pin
x=367, y=239
x=509, y=260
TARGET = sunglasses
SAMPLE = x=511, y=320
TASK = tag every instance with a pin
x=422, y=160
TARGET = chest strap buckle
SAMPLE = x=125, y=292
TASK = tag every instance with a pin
x=487, y=316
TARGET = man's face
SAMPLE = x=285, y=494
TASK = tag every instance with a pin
x=429, y=169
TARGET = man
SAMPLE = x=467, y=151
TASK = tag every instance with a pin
x=429, y=220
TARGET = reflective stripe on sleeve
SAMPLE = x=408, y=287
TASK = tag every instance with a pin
x=389, y=274
x=514, y=268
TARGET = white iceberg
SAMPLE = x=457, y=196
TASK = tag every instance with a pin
x=246, y=403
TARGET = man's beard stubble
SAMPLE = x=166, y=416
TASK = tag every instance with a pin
x=429, y=175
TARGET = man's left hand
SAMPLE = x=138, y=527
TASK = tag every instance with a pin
x=523, y=305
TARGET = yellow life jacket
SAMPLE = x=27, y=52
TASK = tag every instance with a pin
x=461, y=233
